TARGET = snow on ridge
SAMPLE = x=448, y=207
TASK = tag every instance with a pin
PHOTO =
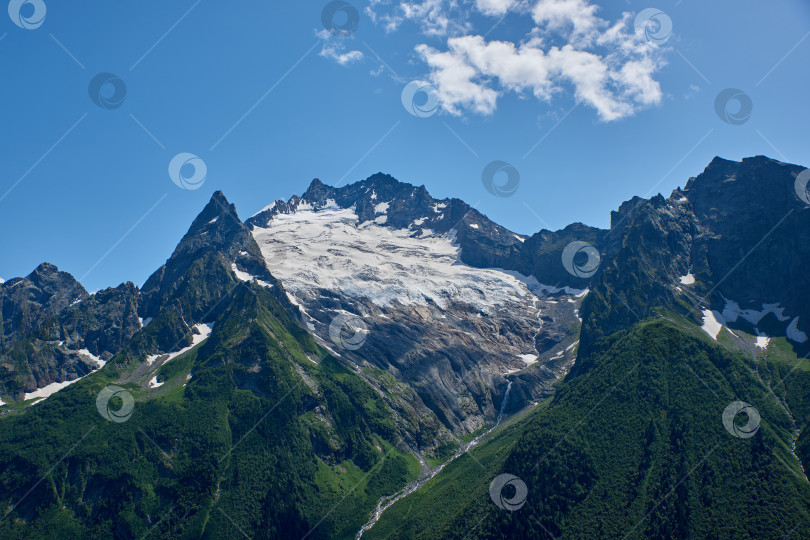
x=268, y=207
x=48, y=390
x=381, y=208
x=244, y=276
x=203, y=332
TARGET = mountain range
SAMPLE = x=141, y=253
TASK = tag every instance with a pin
x=369, y=361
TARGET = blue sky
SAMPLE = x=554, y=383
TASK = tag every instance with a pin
x=269, y=100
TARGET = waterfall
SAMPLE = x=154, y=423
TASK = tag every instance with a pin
x=504, y=403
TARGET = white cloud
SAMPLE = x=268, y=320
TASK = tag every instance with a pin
x=559, y=15
x=333, y=49
x=434, y=17
x=494, y=7
x=610, y=67
x=331, y=52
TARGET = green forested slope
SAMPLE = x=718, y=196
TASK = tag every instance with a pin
x=634, y=446
x=270, y=436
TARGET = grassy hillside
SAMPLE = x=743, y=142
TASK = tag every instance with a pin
x=634, y=446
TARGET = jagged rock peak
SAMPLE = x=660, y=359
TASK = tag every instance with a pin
x=218, y=213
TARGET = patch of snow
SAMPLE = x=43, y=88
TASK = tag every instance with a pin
x=244, y=276
x=688, y=279
x=474, y=225
x=762, y=341
x=1, y=282
x=439, y=206
x=154, y=383
x=151, y=359
x=381, y=208
x=98, y=361
x=373, y=196
x=268, y=207
x=145, y=322
x=240, y=275
x=732, y=311
x=48, y=390
x=574, y=344
x=793, y=333
x=203, y=331
x=381, y=219
x=213, y=220
x=711, y=324
x=519, y=238
x=541, y=289
x=528, y=358
x=419, y=221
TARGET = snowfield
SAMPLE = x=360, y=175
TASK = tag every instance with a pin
x=328, y=249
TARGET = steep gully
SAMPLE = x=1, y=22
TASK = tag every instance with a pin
x=386, y=502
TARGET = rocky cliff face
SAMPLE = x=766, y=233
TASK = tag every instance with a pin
x=53, y=331
x=730, y=247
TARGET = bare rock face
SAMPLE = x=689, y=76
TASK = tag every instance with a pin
x=53, y=331
x=423, y=292
x=732, y=243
